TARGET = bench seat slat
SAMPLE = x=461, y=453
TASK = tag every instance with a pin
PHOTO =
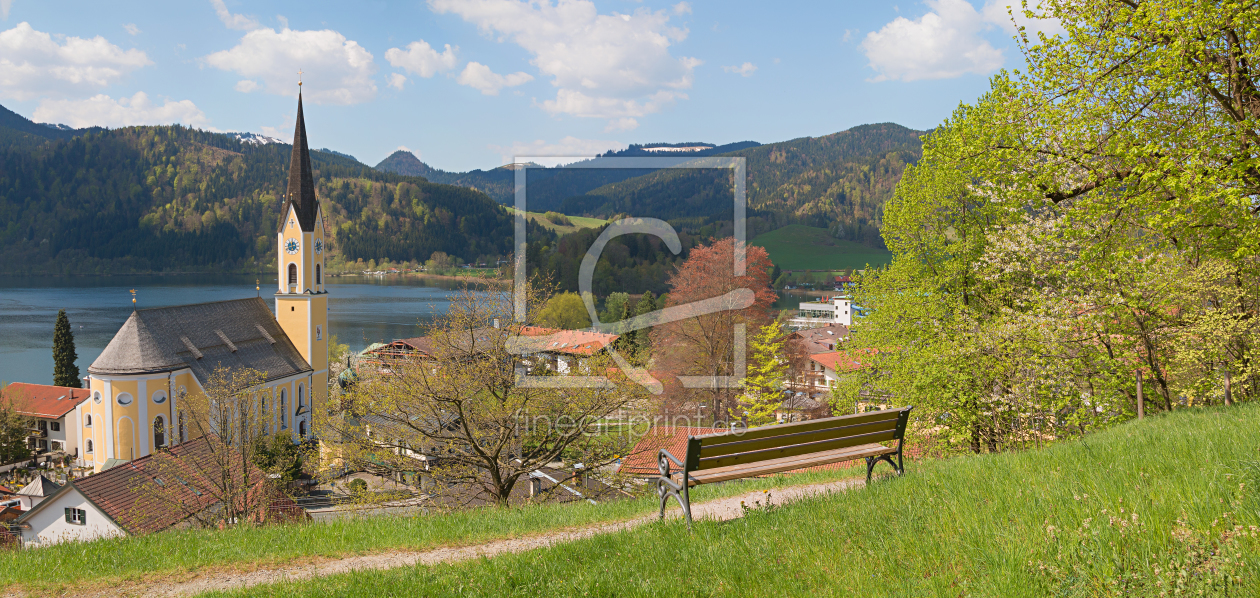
x=709, y=440
x=734, y=472
x=842, y=429
x=796, y=449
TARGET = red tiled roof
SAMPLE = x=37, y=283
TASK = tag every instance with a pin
x=573, y=342
x=41, y=400
x=126, y=493
x=845, y=361
x=642, y=460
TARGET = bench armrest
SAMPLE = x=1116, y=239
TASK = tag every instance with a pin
x=660, y=456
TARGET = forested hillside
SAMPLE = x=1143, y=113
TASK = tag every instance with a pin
x=178, y=199
x=837, y=181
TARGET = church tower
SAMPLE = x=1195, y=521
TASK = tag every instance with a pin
x=301, y=301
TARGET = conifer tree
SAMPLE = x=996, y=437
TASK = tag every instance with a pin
x=65, y=372
x=646, y=305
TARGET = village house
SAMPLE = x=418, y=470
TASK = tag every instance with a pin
x=35, y=492
x=54, y=419
x=112, y=503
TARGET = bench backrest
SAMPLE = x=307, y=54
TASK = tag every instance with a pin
x=790, y=440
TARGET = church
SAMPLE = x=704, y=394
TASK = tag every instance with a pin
x=160, y=356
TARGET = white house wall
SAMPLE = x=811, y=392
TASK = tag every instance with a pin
x=49, y=525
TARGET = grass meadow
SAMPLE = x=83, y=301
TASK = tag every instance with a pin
x=1162, y=507
x=63, y=567
x=799, y=247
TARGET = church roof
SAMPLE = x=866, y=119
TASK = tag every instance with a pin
x=39, y=487
x=301, y=191
x=241, y=333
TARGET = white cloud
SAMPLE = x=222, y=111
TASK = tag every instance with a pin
x=246, y=85
x=131, y=29
x=995, y=12
x=5, y=5
x=33, y=64
x=624, y=123
x=102, y=110
x=232, y=21
x=397, y=80
x=566, y=151
x=479, y=76
x=421, y=59
x=941, y=44
x=746, y=69
x=603, y=66
x=336, y=70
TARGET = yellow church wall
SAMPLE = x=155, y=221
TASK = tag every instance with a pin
x=124, y=418
x=292, y=314
x=96, y=431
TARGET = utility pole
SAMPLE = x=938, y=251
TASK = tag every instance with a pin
x=1229, y=398
x=1141, y=406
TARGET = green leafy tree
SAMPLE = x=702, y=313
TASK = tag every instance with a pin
x=14, y=430
x=65, y=371
x=276, y=454
x=767, y=369
x=1088, y=217
x=337, y=350
x=566, y=311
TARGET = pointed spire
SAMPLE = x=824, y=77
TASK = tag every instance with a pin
x=301, y=191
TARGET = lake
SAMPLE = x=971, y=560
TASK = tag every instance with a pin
x=362, y=310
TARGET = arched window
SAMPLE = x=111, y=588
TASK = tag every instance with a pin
x=89, y=446
x=302, y=429
x=159, y=432
x=292, y=273
x=318, y=277
x=87, y=420
x=183, y=429
x=301, y=400
x=283, y=412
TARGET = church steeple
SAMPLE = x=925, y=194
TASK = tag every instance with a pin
x=301, y=191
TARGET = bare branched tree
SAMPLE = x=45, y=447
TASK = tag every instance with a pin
x=213, y=478
x=458, y=415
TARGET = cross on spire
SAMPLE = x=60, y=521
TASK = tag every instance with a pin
x=299, y=77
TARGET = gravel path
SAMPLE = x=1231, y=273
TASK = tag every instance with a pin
x=719, y=509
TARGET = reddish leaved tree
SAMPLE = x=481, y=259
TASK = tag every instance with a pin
x=704, y=345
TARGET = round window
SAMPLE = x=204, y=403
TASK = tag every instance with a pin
x=96, y=396
x=124, y=398
x=159, y=397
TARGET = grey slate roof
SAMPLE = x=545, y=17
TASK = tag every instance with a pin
x=301, y=191
x=39, y=487
x=233, y=334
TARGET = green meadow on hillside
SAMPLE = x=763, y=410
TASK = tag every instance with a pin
x=579, y=222
x=1166, y=506
x=799, y=247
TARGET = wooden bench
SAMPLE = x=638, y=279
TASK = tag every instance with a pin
x=771, y=449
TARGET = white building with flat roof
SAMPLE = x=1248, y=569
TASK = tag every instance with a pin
x=829, y=312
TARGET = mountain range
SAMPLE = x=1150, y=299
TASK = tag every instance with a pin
x=170, y=198
x=173, y=198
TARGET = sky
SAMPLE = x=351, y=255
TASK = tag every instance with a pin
x=467, y=84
